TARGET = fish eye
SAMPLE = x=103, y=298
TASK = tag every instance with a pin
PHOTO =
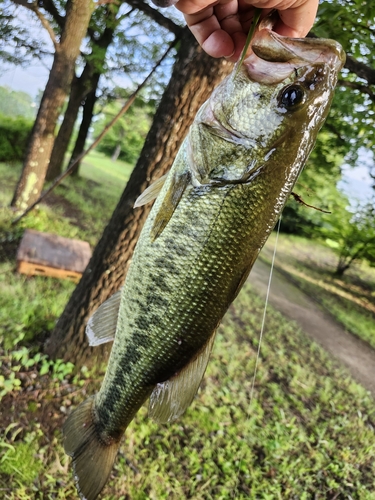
x=290, y=97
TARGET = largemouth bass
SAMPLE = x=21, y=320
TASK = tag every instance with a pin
x=213, y=213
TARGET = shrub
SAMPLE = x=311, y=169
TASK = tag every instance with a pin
x=14, y=134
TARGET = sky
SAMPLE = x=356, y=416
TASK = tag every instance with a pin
x=356, y=183
x=30, y=79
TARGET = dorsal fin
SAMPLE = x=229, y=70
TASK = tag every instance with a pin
x=150, y=193
x=179, y=183
x=101, y=327
x=171, y=398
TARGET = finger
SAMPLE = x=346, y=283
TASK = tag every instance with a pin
x=219, y=44
x=296, y=16
x=215, y=37
x=194, y=6
x=297, y=22
x=239, y=40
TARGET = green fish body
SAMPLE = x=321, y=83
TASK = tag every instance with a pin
x=216, y=208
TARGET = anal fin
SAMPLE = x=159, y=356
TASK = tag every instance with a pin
x=101, y=327
x=171, y=398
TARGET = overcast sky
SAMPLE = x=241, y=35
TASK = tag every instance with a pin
x=30, y=79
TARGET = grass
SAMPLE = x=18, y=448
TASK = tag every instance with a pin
x=350, y=299
x=110, y=175
x=30, y=306
x=307, y=432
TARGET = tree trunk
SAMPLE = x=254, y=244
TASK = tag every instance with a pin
x=77, y=95
x=116, y=152
x=79, y=90
x=40, y=145
x=194, y=77
x=341, y=268
x=88, y=111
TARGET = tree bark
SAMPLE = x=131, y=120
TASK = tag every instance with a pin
x=116, y=152
x=194, y=76
x=80, y=88
x=87, y=114
x=78, y=13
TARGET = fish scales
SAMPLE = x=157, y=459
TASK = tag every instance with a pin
x=219, y=203
x=219, y=255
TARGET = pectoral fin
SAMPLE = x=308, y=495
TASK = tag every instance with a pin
x=172, y=198
x=101, y=327
x=171, y=398
x=151, y=193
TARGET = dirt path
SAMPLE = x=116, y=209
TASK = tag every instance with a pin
x=293, y=303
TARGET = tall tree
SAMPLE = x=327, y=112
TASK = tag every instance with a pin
x=108, y=27
x=73, y=30
x=194, y=76
x=87, y=114
x=82, y=85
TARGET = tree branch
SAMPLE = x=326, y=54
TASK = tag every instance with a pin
x=50, y=7
x=360, y=69
x=156, y=16
x=34, y=8
x=357, y=86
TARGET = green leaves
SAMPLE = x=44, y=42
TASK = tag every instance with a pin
x=125, y=139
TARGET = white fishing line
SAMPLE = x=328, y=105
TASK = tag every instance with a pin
x=259, y=346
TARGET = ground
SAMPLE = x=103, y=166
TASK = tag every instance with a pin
x=355, y=354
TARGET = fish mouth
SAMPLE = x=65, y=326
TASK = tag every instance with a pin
x=275, y=57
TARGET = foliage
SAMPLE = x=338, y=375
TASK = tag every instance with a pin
x=19, y=459
x=348, y=229
x=20, y=39
x=351, y=235
x=16, y=103
x=316, y=186
x=353, y=112
x=14, y=134
x=20, y=360
x=125, y=139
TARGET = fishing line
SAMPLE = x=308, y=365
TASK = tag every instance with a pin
x=259, y=346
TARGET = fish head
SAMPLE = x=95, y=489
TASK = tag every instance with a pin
x=275, y=102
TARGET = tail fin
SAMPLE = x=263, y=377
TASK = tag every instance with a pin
x=92, y=458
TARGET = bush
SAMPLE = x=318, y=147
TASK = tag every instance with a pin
x=14, y=134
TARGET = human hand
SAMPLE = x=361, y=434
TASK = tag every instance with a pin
x=221, y=26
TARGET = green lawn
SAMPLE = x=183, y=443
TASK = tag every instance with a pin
x=101, y=169
x=307, y=433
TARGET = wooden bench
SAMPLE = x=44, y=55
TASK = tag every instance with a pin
x=51, y=255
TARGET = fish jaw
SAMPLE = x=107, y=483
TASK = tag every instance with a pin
x=269, y=46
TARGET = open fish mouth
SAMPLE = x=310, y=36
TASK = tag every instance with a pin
x=275, y=57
